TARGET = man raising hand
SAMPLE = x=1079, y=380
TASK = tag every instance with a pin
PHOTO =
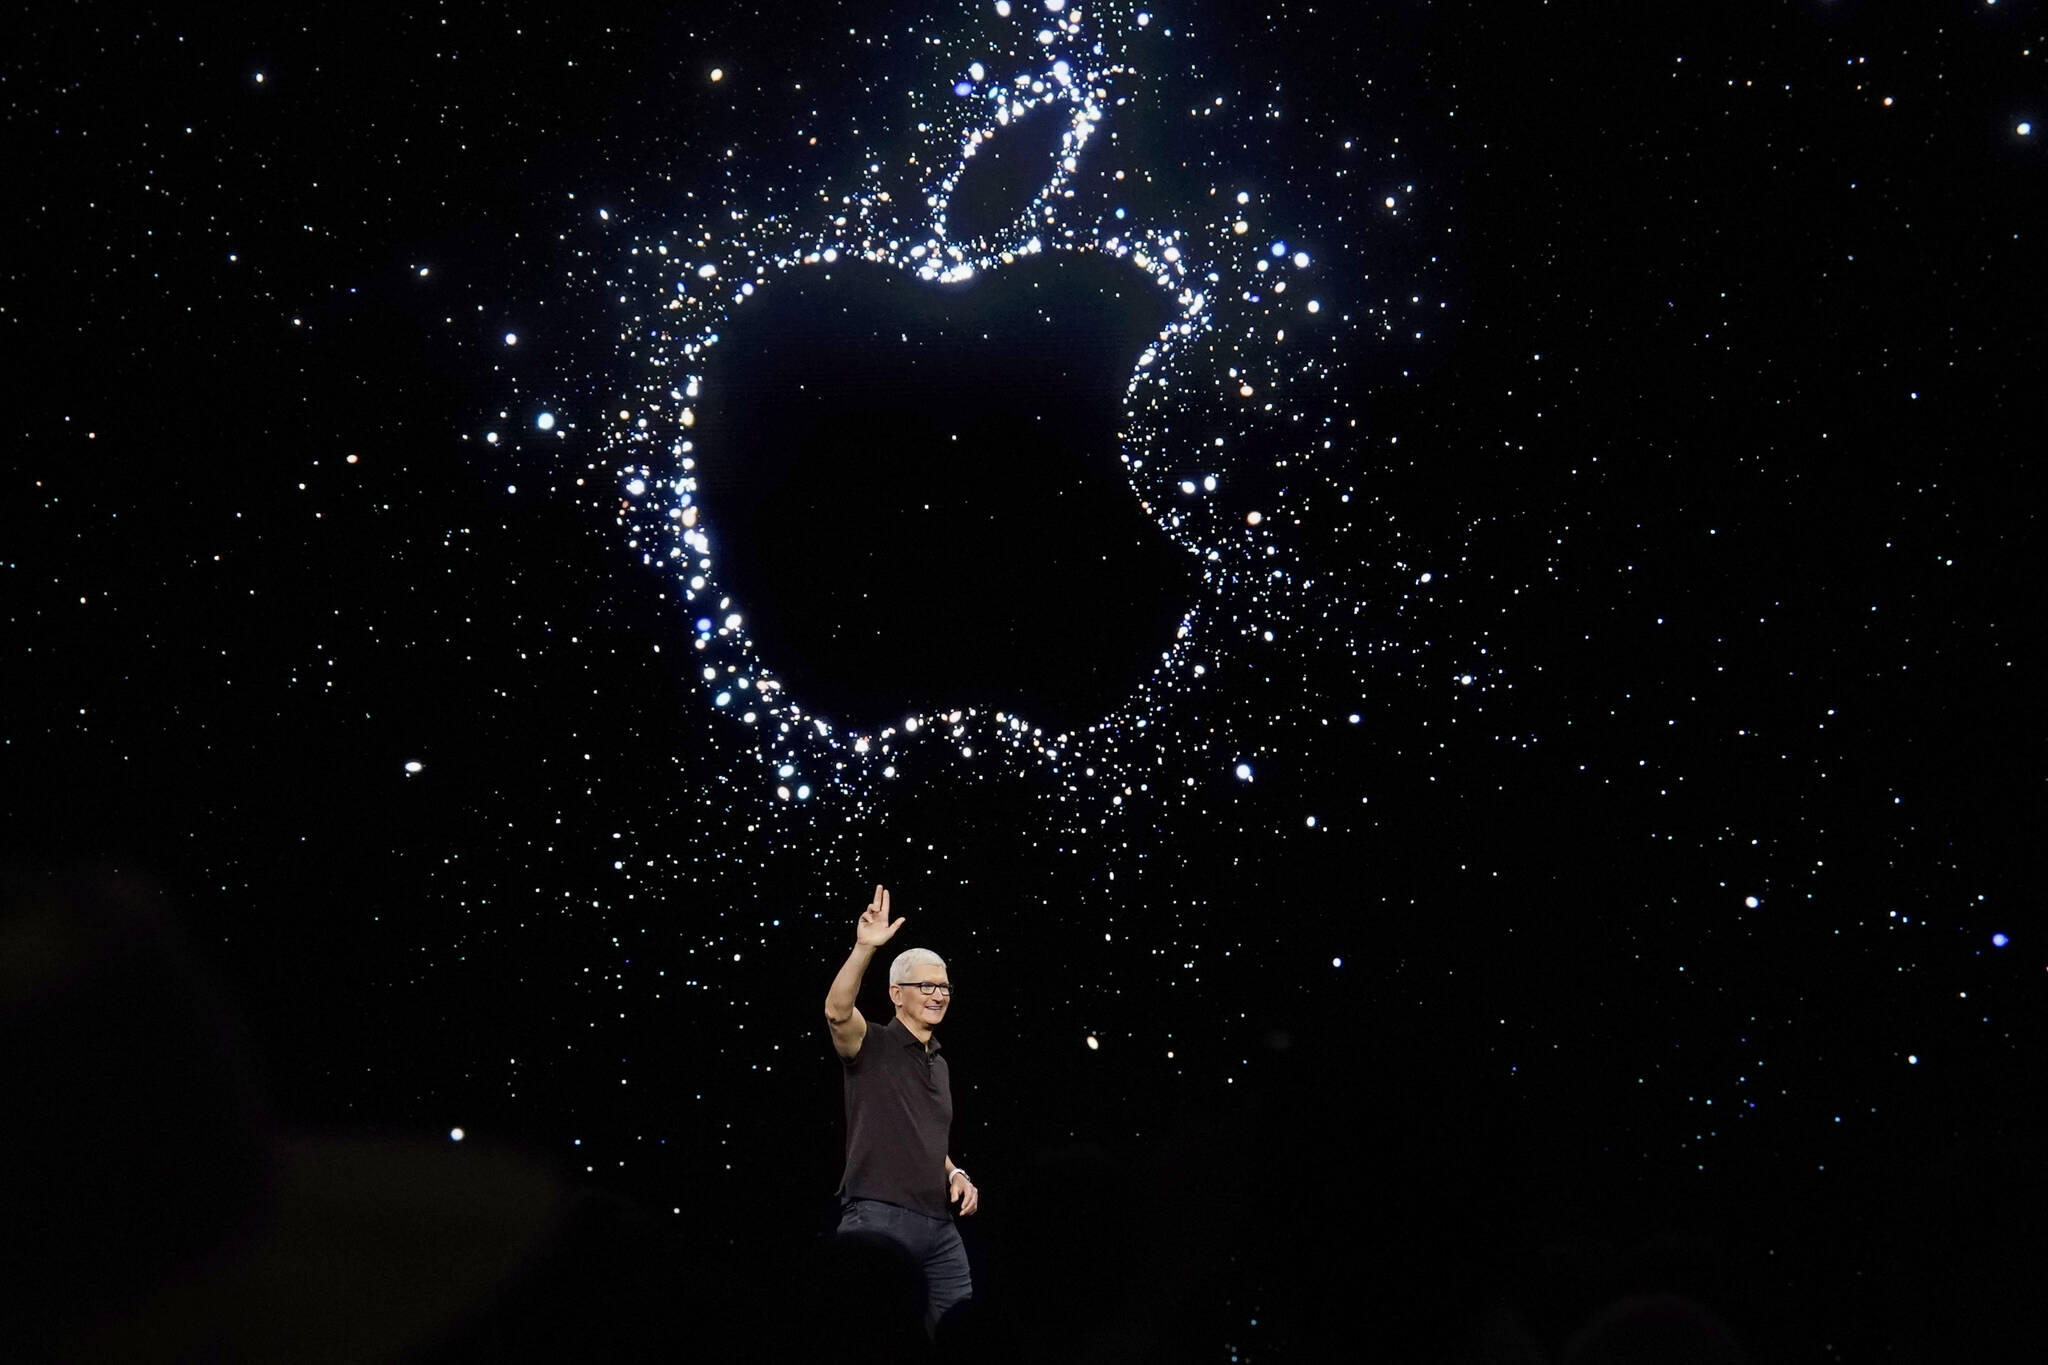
x=899, y=1111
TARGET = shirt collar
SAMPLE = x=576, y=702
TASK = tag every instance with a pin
x=909, y=1038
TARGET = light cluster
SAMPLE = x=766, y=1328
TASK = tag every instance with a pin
x=1247, y=360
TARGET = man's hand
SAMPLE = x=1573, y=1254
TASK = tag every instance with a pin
x=874, y=928
x=965, y=1195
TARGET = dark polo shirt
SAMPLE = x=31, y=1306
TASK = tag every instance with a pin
x=899, y=1110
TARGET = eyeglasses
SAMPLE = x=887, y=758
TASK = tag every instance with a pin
x=930, y=988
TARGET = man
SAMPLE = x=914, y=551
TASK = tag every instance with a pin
x=899, y=1179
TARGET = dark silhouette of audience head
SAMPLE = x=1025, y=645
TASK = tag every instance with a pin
x=137, y=1138
x=1654, y=1329
x=156, y=1211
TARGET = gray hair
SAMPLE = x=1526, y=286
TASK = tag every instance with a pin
x=900, y=969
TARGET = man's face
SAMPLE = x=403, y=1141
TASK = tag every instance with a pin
x=913, y=1003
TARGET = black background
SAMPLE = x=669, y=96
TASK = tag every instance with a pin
x=1725, y=429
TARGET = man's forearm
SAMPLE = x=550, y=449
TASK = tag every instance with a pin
x=846, y=986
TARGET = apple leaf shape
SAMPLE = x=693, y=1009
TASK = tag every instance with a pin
x=996, y=185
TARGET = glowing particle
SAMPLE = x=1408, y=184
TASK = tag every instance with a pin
x=414, y=766
x=1301, y=260
x=717, y=73
x=1311, y=822
x=455, y=1135
x=1999, y=940
x=636, y=488
x=2025, y=130
x=1912, y=1059
x=511, y=338
x=1244, y=197
x=1751, y=901
x=1390, y=201
x=1093, y=1046
x=1279, y=249
x=1244, y=772
x=546, y=421
x=1336, y=962
x=1003, y=8
x=1314, y=306
x=511, y=488
x=1145, y=21
x=963, y=88
x=1253, y=518
x=705, y=272
x=259, y=78
x=976, y=72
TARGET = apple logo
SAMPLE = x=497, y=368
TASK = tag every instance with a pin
x=916, y=471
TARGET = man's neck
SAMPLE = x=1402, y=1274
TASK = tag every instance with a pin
x=921, y=1032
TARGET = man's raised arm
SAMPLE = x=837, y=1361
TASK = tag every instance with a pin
x=849, y=1030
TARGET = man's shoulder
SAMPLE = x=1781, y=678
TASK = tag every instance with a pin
x=876, y=1044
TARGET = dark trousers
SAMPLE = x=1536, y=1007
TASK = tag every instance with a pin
x=933, y=1242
